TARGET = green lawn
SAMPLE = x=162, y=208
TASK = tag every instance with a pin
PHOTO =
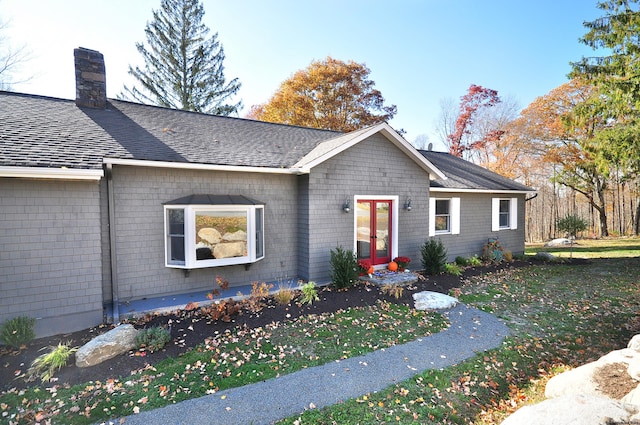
x=593, y=248
x=561, y=316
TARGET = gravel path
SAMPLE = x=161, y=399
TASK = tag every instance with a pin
x=471, y=331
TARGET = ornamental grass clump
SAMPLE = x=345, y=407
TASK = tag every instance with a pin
x=45, y=365
x=18, y=331
x=434, y=257
x=344, y=268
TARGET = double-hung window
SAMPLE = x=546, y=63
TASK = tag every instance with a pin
x=504, y=214
x=213, y=230
x=444, y=216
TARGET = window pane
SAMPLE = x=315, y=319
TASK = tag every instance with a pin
x=504, y=212
x=221, y=234
x=504, y=206
x=442, y=223
x=259, y=233
x=442, y=207
x=175, y=236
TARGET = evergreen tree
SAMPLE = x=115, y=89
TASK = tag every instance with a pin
x=183, y=68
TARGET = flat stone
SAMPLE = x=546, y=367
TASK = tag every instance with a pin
x=428, y=300
x=546, y=256
x=107, y=346
x=391, y=278
x=558, y=242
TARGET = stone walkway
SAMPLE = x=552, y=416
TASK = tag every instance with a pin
x=471, y=331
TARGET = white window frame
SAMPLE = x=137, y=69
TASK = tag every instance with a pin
x=454, y=216
x=255, y=236
x=495, y=214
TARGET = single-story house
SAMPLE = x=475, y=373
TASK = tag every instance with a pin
x=104, y=201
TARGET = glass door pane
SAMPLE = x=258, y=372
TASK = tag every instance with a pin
x=363, y=230
x=383, y=232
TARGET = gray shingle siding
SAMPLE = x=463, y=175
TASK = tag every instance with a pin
x=50, y=255
x=139, y=197
x=373, y=167
x=475, y=225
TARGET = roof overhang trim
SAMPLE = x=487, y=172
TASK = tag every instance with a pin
x=51, y=173
x=384, y=129
x=497, y=191
x=206, y=167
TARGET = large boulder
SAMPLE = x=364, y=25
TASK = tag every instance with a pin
x=230, y=249
x=574, y=409
x=210, y=235
x=107, y=346
x=239, y=235
x=585, y=379
x=428, y=300
x=558, y=242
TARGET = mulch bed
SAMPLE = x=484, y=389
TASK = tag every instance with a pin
x=187, y=333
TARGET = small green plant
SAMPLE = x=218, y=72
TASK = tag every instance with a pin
x=461, y=261
x=344, y=268
x=153, y=339
x=309, y=293
x=392, y=289
x=18, y=331
x=452, y=268
x=284, y=295
x=45, y=365
x=434, y=256
x=571, y=224
x=474, y=261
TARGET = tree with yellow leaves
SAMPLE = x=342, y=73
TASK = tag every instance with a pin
x=329, y=94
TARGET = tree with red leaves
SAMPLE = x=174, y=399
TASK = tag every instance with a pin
x=477, y=99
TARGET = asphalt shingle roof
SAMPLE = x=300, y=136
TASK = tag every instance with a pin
x=463, y=174
x=37, y=131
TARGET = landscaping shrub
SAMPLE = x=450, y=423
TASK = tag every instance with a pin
x=453, y=268
x=461, y=261
x=45, y=365
x=259, y=291
x=344, y=268
x=18, y=331
x=309, y=293
x=153, y=339
x=493, y=251
x=475, y=261
x=434, y=256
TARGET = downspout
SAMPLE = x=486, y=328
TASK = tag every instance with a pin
x=535, y=195
x=112, y=243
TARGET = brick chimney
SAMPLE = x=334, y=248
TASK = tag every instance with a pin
x=91, y=84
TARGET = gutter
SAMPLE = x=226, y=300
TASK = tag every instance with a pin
x=51, y=173
x=206, y=167
x=112, y=243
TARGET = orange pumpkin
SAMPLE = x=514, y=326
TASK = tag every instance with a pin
x=393, y=266
x=370, y=270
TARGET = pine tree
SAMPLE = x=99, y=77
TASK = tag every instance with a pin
x=183, y=68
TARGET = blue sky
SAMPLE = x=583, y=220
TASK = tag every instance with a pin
x=419, y=52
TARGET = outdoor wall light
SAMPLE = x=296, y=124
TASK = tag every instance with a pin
x=407, y=206
x=346, y=207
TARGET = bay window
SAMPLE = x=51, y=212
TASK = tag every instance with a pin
x=213, y=230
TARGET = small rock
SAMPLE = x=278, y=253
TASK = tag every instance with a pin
x=546, y=256
x=428, y=300
x=558, y=242
x=106, y=346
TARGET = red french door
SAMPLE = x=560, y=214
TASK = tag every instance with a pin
x=374, y=230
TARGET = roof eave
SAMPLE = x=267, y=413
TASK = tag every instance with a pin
x=206, y=167
x=470, y=190
x=386, y=130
